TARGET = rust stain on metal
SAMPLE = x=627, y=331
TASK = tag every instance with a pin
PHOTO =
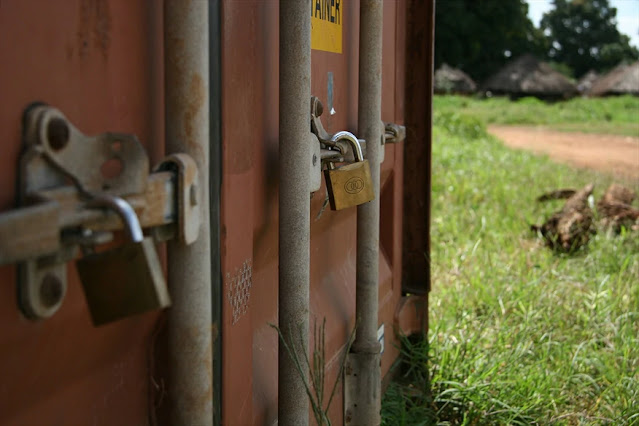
x=206, y=397
x=95, y=27
x=215, y=331
x=179, y=46
x=153, y=206
x=197, y=96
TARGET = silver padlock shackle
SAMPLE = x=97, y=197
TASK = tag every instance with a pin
x=124, y=210
x=348, y=136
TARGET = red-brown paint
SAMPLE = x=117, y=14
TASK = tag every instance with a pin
x=100, y=62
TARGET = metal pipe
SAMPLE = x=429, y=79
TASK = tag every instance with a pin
x=294, y=207
x=186, y=65
x=366, y=347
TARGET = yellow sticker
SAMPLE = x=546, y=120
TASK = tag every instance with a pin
x=326, y=25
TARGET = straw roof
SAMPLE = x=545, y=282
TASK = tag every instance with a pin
x=622, y=80
x=527, y=76
x=453, y=80
x=585, y=83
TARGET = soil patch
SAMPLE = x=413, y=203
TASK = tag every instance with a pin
x=614, y=154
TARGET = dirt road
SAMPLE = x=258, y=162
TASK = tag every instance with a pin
x=608, y=153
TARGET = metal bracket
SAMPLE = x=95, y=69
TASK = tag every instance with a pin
x=391, y=133
x=315, y=164
x=394, y=133
x=339, y=151
x=60, y=168
x=110, y=162
x=188, y=194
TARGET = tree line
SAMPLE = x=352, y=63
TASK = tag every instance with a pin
x=575, y=36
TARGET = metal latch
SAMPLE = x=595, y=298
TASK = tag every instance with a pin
x=328, y=149
x=394, y=133
x=391, y=133
x=61, y=171
x=331, y=151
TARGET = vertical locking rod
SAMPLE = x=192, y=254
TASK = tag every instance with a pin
x=365, y=352
x=294, y=207
x=186, y=62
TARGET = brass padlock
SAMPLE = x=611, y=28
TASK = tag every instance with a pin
x=349, y=185
x=126, y=280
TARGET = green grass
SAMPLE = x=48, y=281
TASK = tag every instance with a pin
x=518, y=335
x=615, y=115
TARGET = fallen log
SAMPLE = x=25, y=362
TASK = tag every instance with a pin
x=559, y=194
x=615, y=209
x=571, y=227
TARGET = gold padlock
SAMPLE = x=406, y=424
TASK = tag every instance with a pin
x=349, y=185
x=126, y=280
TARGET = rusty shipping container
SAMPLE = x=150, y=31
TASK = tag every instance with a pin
x=102, y=63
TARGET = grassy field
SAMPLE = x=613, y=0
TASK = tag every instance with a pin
x=518, y=335
x=618, y=115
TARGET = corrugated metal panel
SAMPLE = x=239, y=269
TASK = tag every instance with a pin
x=101, y=63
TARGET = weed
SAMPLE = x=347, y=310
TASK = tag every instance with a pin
x=518, y=335
x=315, y=365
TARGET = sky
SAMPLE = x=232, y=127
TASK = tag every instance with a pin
x=627, y=16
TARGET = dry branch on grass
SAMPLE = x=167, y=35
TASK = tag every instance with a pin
x=559, y=194
x=571, y=227
x=616, y=210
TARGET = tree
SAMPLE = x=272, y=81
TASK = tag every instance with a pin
x=583, y=35
x=479, y=37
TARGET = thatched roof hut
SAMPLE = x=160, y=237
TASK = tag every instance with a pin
x=622, y=80
x=528, y=76
x=453, y=80
x=585, y=83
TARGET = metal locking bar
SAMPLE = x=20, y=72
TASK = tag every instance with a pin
x=343, y=147
x=60, y=168
x=352, y=140
x=124, y=211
